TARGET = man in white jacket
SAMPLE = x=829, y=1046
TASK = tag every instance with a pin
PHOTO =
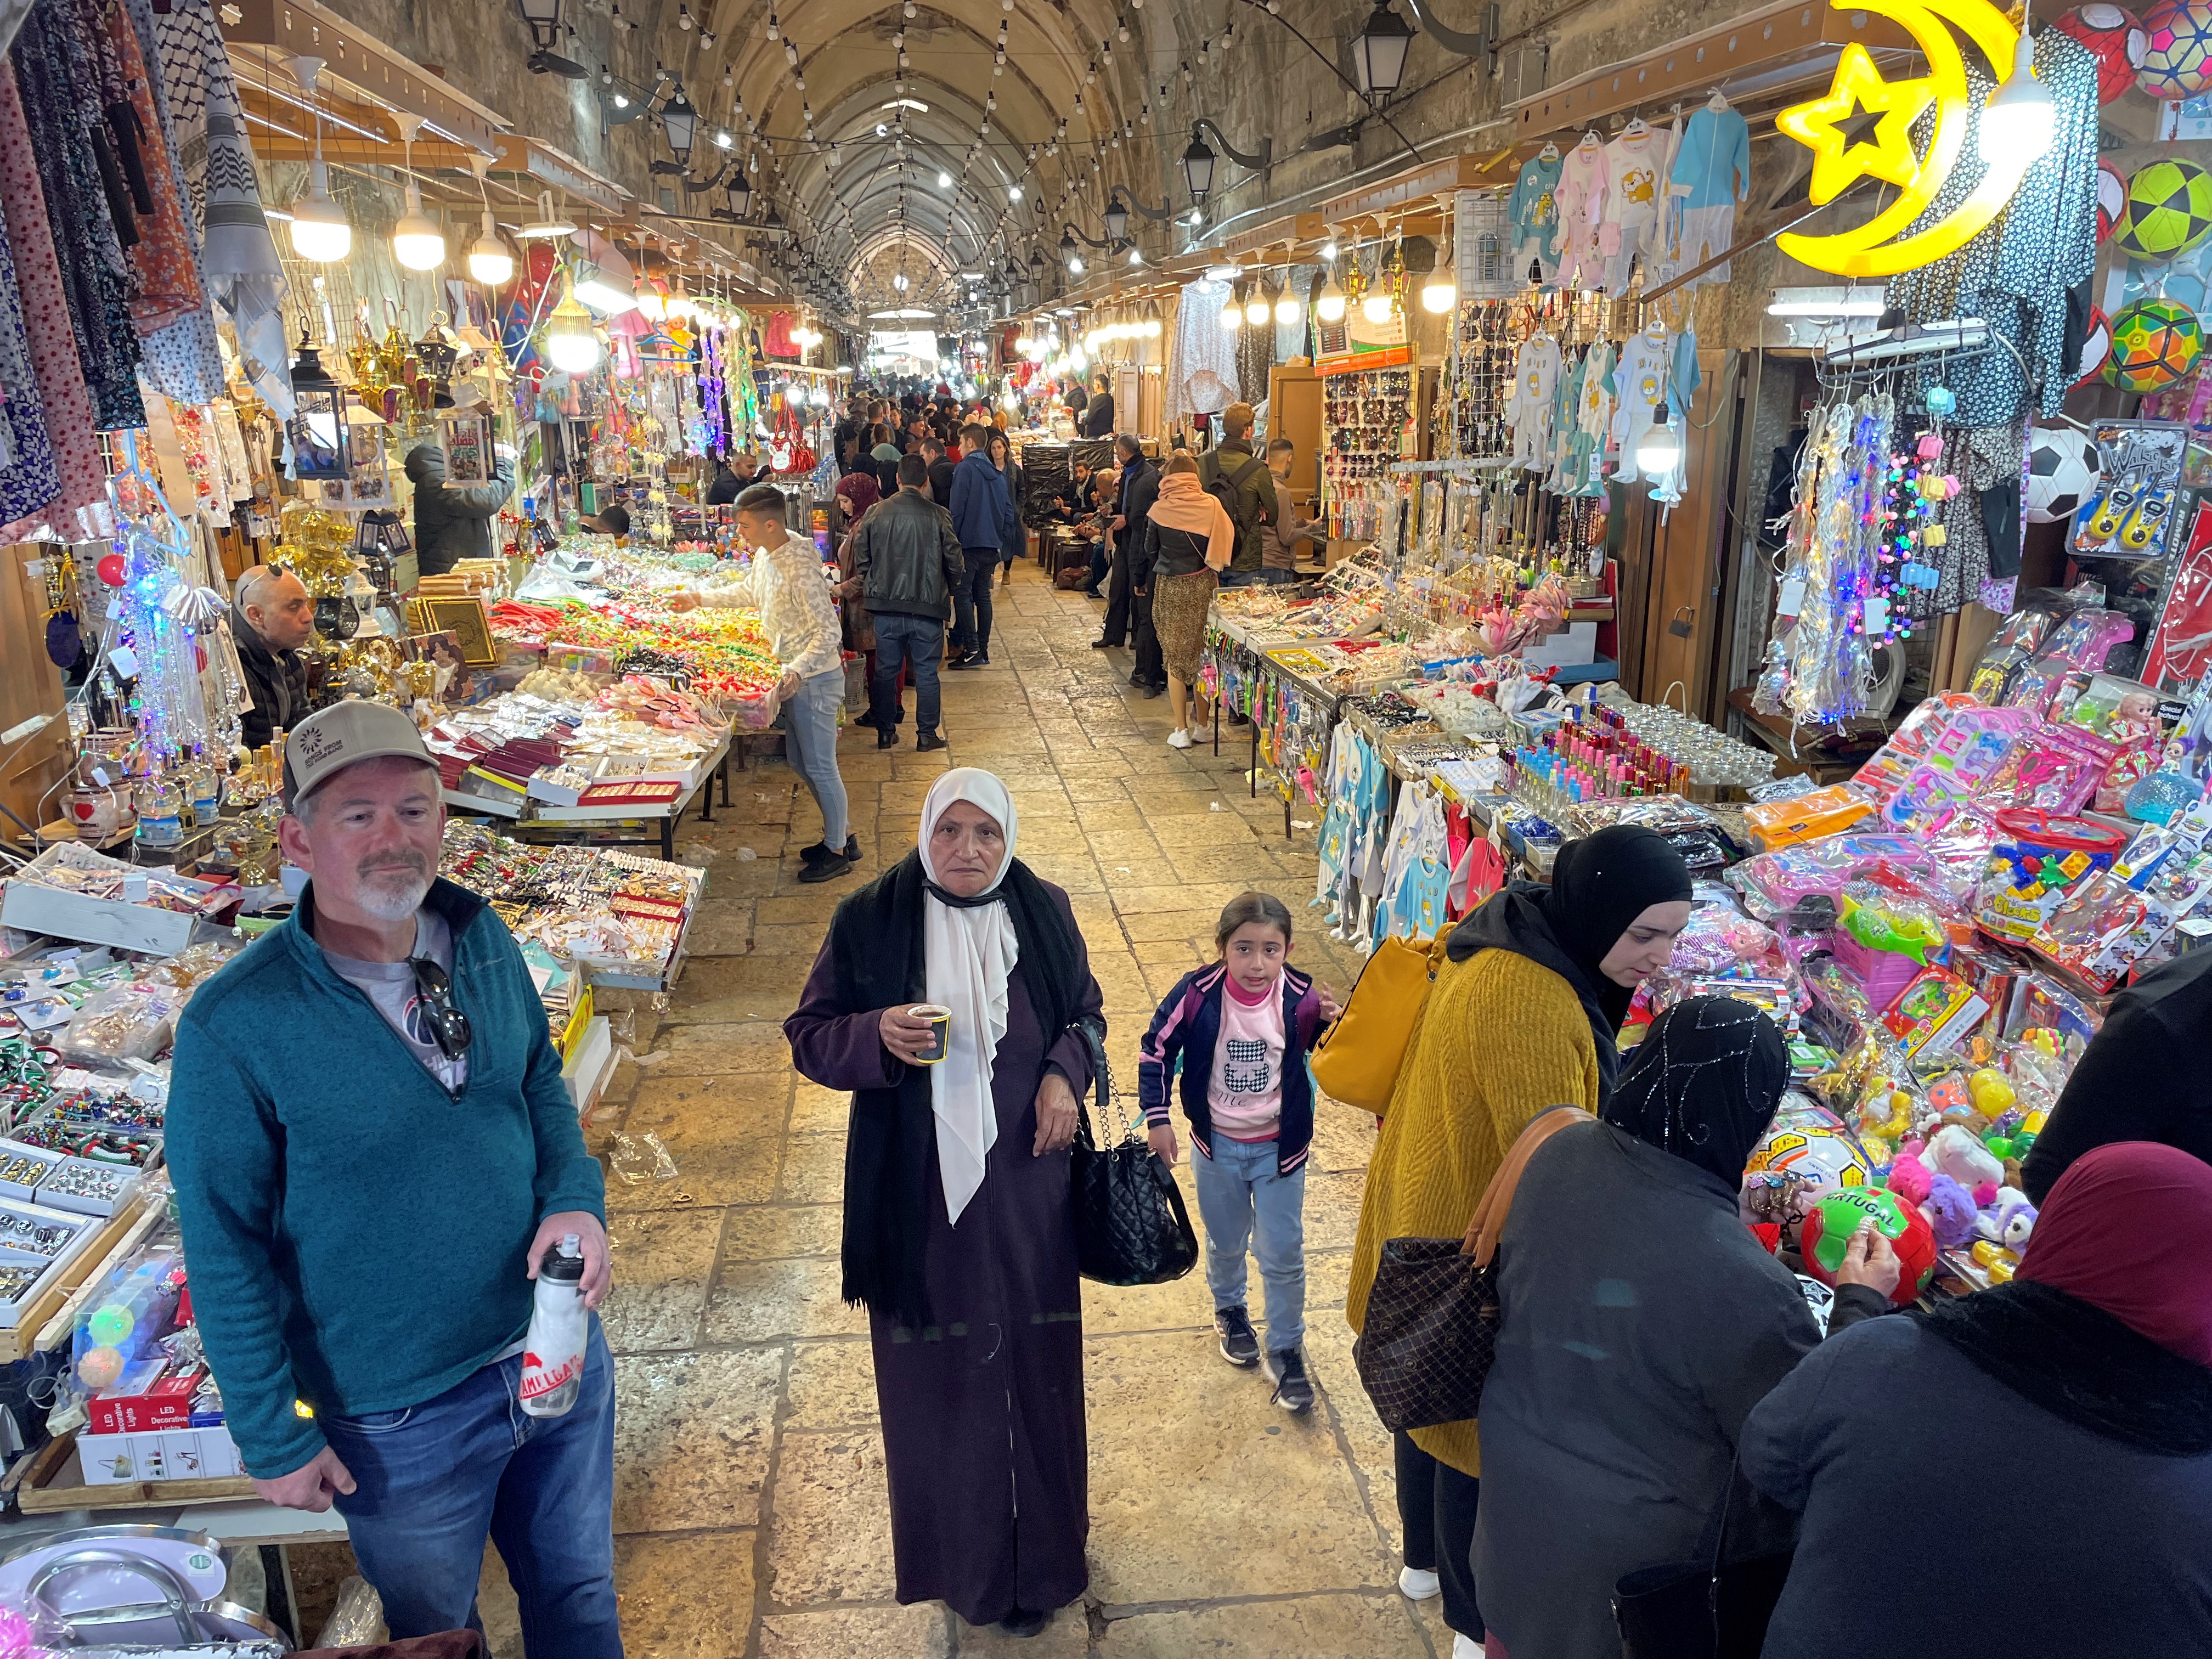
x=789, y=585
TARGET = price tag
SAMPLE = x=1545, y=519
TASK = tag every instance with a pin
x=1876, y=617
x=124, y=661
x=1791, y=600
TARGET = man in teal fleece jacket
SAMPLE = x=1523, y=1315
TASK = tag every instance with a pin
x=373, y=1149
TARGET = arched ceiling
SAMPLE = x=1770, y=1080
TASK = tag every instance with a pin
x=1051, y=98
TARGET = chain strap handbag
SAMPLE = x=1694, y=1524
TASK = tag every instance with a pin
x=1131, y=1226
x=1425, y=1347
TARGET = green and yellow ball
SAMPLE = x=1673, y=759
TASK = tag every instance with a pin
x=2155, y=343
x=2168, y=210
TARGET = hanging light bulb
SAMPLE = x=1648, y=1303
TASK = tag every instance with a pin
x=1255, y=310
x=1232, y=314
x=571, y=345
x=320, y=230
x=1374, y=306
x=489, y=262
x=1441, y=291
x=1329, y=307
x=1287, y=309
x=1659, y=451
x=2020, y=120
x=416, y=241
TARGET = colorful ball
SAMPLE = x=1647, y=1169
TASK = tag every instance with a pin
x=2112, y=199
x=2176, y=50
x=2155, y=343
x=1830, y=1223
x=2062, y=473
x=2114, y=39
x=1806, y=1154
x=2168, y=210
x=2096, y=345
x=111, y=570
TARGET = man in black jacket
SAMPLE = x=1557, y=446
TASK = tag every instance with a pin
x=270, y=618
x=1132, y=529
x=942, y=466
x=908, y=561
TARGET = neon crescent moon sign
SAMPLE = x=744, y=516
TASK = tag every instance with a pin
x=1841, y=159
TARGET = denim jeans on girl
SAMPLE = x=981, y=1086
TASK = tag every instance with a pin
x=811, y=723
x=433, y=1481
x=1241, y=1198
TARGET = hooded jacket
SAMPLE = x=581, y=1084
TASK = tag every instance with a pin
x=983, y=511
x=452, y=524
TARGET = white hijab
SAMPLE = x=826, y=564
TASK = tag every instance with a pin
x=969, y=953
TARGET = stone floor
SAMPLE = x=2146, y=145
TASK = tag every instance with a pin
x=750, y=1501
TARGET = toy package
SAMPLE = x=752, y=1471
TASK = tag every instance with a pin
x=2180, y=649
x=2139, y=486
x=1779, y=823
x=2038, y=859
x=1972, y=746
x=2117, y=923
x=1935, y=1011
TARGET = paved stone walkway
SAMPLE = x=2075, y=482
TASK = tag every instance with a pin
x=749, y=1503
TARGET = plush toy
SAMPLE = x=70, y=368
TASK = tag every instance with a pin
x=1950, y=1211
x=1958, y=1154
x=2009, y=1221
x=1908, y=1176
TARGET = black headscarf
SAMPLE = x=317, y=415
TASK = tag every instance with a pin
x=1600, y=884
x=1703, y=1083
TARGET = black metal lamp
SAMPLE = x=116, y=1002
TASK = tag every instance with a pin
x=1198, y=166
x=680, y=121
x=1117, y=220
x=1378, y=51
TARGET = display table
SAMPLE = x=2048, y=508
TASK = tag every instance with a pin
x=524, y=813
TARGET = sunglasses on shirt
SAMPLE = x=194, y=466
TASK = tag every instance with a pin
x=449, y=1026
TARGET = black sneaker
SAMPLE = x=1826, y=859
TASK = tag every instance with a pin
x=1293, y=1391
x=1239, y=1347
x=820, y=853
x=829, y=869
x=887, y=737
x=929, y=741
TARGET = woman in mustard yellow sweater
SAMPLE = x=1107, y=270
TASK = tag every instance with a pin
x=1521, y=1017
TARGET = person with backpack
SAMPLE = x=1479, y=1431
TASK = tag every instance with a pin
x=1191, y=541
x=1240, y=481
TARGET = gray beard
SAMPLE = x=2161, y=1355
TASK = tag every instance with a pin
x=389, y=903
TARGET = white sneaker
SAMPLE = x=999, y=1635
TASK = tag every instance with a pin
x=1418, y=1585
x=1465, y=1646
x=1178, y=738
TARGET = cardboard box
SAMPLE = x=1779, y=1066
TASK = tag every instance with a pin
x=167, y=1404
x=120, y=1459
x=1574, y=645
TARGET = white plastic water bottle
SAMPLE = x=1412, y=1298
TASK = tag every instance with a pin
x=553, y=1352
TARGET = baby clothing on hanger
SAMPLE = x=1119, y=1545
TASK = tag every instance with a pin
x=1711, y=175
x=1581, y=197
x=1533, y=212
x=1592, y=421
x=1683, y=378
x=1641, y=379
x=1635, y=165
x=1528, y=409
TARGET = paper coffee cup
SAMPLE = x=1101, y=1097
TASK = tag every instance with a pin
x=940, y=1019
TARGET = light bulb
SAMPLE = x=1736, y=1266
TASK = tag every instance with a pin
x=2020, y=120
x=944, y=180
x=489, y=262
x=1329, y=307
x=570, y=344
x=1438, y=293
x=1376, y=308
x=1152, y=328
x=320, y=231
x=1136, y=256
x=1659, y=451
x=416, y=241
x=1257, y=312
x=1233, y=315
x=1287, y=309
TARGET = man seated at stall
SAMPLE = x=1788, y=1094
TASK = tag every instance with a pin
x=271, y=617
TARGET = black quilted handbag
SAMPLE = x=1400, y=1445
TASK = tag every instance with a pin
x=1131, y=1227
x=1431, y=1330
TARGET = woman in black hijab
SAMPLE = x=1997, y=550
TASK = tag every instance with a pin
x=1521, y=1018
x=1642, y=1322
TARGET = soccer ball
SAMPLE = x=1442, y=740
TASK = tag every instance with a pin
x=2115, y=39
x=2061, y=472
x=2168, y=212
x=1830, y=1223
x=2176, y=50
x=1806, y=1154
x=2155, y=343
x=2096, y=345
x=2111, y=200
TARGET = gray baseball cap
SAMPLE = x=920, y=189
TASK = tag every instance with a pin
x=330, y=739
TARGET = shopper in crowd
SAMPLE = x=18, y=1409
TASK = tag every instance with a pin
x=2154, y=1032
x=1002, y=457
x=941, y=469
x=1075, y=398
x=1282, y=534
x=1251, y=487
x=373, y=1151
x=2081, y=1391
x=725, y=486
x=983, y=518
x=270, y=618
x=856, y=494
x=845, y=437
x=787, y=584
x=1191, y=542
x=1138, y=489
x=886, y=455
x=907, y=564
x=612, y=519
x=453, y=524
x=1098, y=414
x=959, y=1212
x=1240, y=1030
x=1521, y=1016
x=1641, y=1321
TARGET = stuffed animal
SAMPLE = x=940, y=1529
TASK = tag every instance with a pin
x=1960, y=1155
x=2009, y=1221
x=1950, y=1211
x=1908, y=1176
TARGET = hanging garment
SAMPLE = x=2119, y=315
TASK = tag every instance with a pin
x=51, y=344
x=1634, y=164
x=1533, y=213
x=59, y=100
x=1592, y=421
x=183, y=359
x=1712, y=166
x=28, y=481
x=1684, y=377
x=1566, y=409
x=1202, y=370
x=1528, y=409
x=1581, y=198
x=1640, y=375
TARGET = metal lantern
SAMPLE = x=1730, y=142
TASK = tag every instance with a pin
x=1378, y=51
x=543, y=17
x=741, y=197
x=1036, y=267
x=1069, y=253
x=320, y=446
x=1198, y=166
x=1117, y=220
x=680, y=121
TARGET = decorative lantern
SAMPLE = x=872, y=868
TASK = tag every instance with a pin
x=318, y=427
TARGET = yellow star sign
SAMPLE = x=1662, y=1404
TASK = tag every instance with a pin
x=1834, y=128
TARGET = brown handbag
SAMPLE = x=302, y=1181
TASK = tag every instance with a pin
x=1425, y=1347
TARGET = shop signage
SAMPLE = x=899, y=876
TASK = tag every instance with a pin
x=1863, y=128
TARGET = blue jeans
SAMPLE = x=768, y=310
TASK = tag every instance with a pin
x=971, y=600
x=1242, y=578
x=1269, y=576
x=433, y=1480
x=1240, y=1197
x=810, y=722
x=918, y=642
x=1102, y=560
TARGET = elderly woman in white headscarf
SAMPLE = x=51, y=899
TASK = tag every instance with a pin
x=959, y=1215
